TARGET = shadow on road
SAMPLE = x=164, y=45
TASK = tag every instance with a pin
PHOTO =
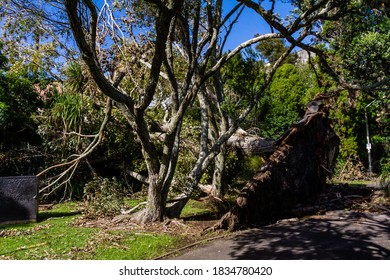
x=343, y=235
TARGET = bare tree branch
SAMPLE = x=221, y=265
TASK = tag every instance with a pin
x=74, y=163
x=138, y=177
x=240, y=47
x=88, y=52
x=231, y=25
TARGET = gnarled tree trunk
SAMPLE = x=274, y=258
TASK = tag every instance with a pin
x=296, y=172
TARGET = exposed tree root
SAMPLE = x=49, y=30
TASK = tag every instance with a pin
x=296, y=172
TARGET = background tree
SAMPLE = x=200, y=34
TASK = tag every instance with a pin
x=37, y=44
x=18, y=104
x=271, y=50
x=359, y=45
x=285, y=101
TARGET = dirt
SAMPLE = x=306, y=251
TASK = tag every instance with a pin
x=183, y=227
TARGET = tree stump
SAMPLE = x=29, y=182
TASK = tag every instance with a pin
x=297, y=171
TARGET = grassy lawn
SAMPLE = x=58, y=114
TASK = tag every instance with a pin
x=194, y=208
x=55, y=237
x=58, y=234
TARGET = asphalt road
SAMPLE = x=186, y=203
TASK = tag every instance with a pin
x=338, y=235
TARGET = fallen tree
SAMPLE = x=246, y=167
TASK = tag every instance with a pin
x=250, y=144
x=296, y=172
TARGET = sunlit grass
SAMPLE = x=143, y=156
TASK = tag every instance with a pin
x=133, y=246
x=55, y=236
x=195, y=208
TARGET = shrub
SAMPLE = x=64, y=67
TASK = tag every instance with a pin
x=103, y=197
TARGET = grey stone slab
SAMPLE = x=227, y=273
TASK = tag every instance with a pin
x=18, y=199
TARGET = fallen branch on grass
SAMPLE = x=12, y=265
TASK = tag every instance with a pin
x=133, y=209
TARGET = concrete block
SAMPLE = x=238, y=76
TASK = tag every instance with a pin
x=18, y=199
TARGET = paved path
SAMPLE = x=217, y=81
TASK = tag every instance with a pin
x=336, y=235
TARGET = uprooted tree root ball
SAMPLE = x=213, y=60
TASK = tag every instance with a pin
x=296, y=172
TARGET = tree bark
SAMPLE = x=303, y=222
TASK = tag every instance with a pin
x=219, y=184
x=296, y=172
x=250, y=144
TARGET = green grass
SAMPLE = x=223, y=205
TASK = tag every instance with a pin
x=131, y=246
x=52, y=238
x=130, y=203
x=195, y=208
x=55, y=237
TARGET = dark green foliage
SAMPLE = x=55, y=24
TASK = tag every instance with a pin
x=3, y=58
x=242, y=75
x=291, y=89
x=360, y=43
x=18, y=103
x=271, y=50
x=369, y=58
x=349, y=124
x=19, y=150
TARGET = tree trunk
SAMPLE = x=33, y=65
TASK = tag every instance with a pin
x=155, y=207
x=160, y=182
x=250, y=144
x=295, y=172
x=219, y=164
x=218, y=185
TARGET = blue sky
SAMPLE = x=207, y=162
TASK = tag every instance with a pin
x=250, y=23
